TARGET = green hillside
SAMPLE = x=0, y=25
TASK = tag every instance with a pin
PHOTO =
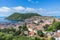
x=21, y=16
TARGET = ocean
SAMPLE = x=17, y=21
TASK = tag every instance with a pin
x=2, y=20
x=57, y=16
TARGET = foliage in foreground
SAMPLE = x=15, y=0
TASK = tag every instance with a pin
x=13, y=34
x=54, y=27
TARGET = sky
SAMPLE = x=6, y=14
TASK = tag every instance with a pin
x=42, y=7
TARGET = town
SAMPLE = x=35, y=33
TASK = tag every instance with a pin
x=33, y=25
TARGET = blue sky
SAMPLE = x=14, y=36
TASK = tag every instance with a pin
x=43, y=7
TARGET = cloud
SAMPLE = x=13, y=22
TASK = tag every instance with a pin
x=33, y=1
x=50, y=12
x=18, y=8
x=41, y=10
x=53, y=13
x=4, y=9
x=30, y=10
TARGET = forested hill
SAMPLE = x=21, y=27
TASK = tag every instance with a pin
x=21, y=16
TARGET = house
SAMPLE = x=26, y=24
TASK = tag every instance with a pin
x=57, y=35
x=32, y=33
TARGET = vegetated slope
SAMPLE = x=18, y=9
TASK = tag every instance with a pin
x=21, y=16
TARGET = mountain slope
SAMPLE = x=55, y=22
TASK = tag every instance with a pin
x=21, y=16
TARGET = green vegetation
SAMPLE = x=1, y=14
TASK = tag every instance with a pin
x=5, y=36
x=52, y=38
x=54, y=27
x=13, y=34
x=21, y=16
x=40, y=33
x=38, y=38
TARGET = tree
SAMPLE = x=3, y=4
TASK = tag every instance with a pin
x=54, y=20
x=46, y=27
x=5, y=36
x=50, y=28
x=25, y=28
x=25, y=38
x=8, y=37
x=20, y=28
x=52, y=38
x=40, y=33
x=36, y=38
x=54, y=27
x=5, y=30
x=1, y=36
x=17, y=33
